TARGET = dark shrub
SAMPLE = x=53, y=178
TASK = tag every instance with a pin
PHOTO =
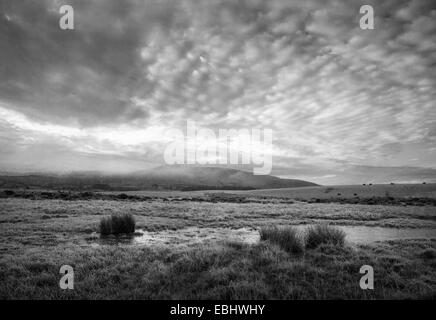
x=319, y=234
x=9, y=193
x=117, y=223
x=427, y=254
x=286, y=237
x=86, y=194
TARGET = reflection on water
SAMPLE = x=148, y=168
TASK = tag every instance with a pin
x=195, y=235
x=365, y=234
x=186, y=236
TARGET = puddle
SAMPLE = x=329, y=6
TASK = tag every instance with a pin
x=186, y=236
x=194, y=235
x=364, y=235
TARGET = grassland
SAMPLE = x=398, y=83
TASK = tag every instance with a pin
x=39, y=233
x=364, y=190
x=231, y=271
x=397, y=193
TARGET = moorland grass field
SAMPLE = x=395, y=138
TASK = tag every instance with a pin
x=364, y=191
x=41, y=231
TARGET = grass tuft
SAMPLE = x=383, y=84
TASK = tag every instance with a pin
x=324, y=234
x=117, y=224
x=287, y=238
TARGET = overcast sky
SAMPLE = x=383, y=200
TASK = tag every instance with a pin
x=345, y=105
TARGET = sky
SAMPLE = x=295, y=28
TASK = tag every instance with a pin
x=345, y=105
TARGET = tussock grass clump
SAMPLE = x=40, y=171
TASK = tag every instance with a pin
x=287, y=238
x=117, y=224
x=324, y=234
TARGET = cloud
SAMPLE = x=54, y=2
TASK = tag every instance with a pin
x=332, y=93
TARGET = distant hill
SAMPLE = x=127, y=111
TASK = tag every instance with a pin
x=161, y=178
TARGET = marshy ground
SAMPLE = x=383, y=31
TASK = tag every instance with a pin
x=207, y=245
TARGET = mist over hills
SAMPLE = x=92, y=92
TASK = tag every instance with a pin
x=177, y=177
